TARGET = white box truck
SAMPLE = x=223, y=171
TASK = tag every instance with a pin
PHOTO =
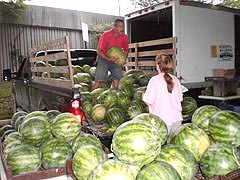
x=207, y=37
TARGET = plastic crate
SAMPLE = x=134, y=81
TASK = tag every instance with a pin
x=41, y=174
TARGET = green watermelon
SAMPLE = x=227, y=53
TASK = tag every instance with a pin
x=117, y=53
x=55, y=153
x=86, y=159
x=219, y=159
x=111, y=169
x=189, y=105
x=138, y=95
x=37, y=113
x=84, y=139
x=127, y=80
x=87, y=108
x=122, y=99
x=6, y=133
x=192, y=138
x=92, y=72
x=98, y=112
x=16, y=115
x=51, y=114
x=158, y=170
x=108, y=98
x=83, y=78
x=180, y=159
x=156, y=122
x=115, y=116
x=224, y=127
x=66, y=126
x=127, y=89
x=13, y=137
x=24, y=159
x=202, y=115
x=86, y=96
x=136, y=142
x=135, y=72
x=143, y=80
x=133, y=111
x=10, y=147
x=35, y=130
x=96, y=93
x=18, y=122
x=77, y=69
x=86, y=68
x=5, y=128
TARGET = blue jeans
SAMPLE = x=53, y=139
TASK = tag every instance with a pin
x=103, y=66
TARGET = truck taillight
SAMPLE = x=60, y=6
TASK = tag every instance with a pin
x=75, y=106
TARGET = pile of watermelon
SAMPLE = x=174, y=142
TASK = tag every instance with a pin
x=107, y=106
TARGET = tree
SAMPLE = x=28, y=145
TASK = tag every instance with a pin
x=98, y=29
x=231, y=3
x=13, y=8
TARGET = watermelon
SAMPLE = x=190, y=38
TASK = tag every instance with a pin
x=180, y=159
x=24, y=159
x=224, y=127
x=77, y=69
x=51, y=114
x=86, y=68
x=202, y=115
x=143, y=80
x=16, y=115
x=156, y=122
x=192, y=138
x=136, y=142
x=189, y=105
x=108, y=98
x=127, y=80
x=6, y=133
x=13, y=137
x=84, y=139
x=111, y=169
x=5, y=128
x=115, y=116
x=37, y=113
x=87, y=108
x=55, y=152
x=122, y=99
x=85, y=96
x=98, y=112
x=117, y=53
x=135, y=72
x=127, y=89
x=35, y=130
x=18, y=122
x=219, y=159
x=158, y=170
x=96, y=93
x=66, y=126
x=133, y=111
x=86, y=159
x=138, y=95
x=92, y=72
x=10, y=147
x=83, y=78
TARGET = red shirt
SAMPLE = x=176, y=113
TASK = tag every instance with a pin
x=108, y=39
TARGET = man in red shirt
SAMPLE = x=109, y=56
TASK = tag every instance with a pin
x=113, y=37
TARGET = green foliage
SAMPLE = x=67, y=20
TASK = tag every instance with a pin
x=98, y=29
x=13, y=8
x=6, y=101
x=231, y=3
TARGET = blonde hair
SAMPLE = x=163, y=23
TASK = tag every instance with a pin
x=165, y=62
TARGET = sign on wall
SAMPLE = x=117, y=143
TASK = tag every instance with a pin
x=225, y=52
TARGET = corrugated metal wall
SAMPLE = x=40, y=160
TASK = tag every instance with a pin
x=41, y=24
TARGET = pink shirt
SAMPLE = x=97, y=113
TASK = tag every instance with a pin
x=108, y=39
x=165, y=105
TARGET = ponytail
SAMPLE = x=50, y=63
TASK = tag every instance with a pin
x=169, y=82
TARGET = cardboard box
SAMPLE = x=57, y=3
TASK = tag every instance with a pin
x=228, y=73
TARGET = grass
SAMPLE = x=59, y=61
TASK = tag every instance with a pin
x=6, y=100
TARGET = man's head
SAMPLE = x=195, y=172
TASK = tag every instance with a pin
x=119, y=26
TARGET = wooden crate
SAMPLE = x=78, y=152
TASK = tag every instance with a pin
x=224, y=87
x=55, y=44
x=145, y=59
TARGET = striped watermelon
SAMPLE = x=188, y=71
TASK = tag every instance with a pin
x=122, y=99
x=115, y=116
x=180, y=159
x=156, y=122
x=224, y=127
x=136, y=142
x=189, y=105
x=84, y=139
x=108, y=98
x=133, y=111
x=86, y=96
x=110, y=170
x=37, y=113
x=55, y=152
x=219, y=159
x=18, y=122
x=51, y=114
x=5, y=128
x=13, y=137
x=202, y=115
x=86, y=159
x=35, y=130
x=16, y=115
x=10, y=147
x=158, y=170
x=98, y=112
x=192, y=138
x=87, y=108
x=66, y=126
x=96, y=93
x=24, y=159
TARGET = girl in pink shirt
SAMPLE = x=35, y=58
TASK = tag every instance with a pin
x=163, y=94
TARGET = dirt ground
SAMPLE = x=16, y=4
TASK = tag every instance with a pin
x=6, y=100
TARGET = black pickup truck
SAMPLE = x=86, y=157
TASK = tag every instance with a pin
x=31, y=96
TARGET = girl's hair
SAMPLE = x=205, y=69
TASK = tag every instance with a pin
x=165, y=62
